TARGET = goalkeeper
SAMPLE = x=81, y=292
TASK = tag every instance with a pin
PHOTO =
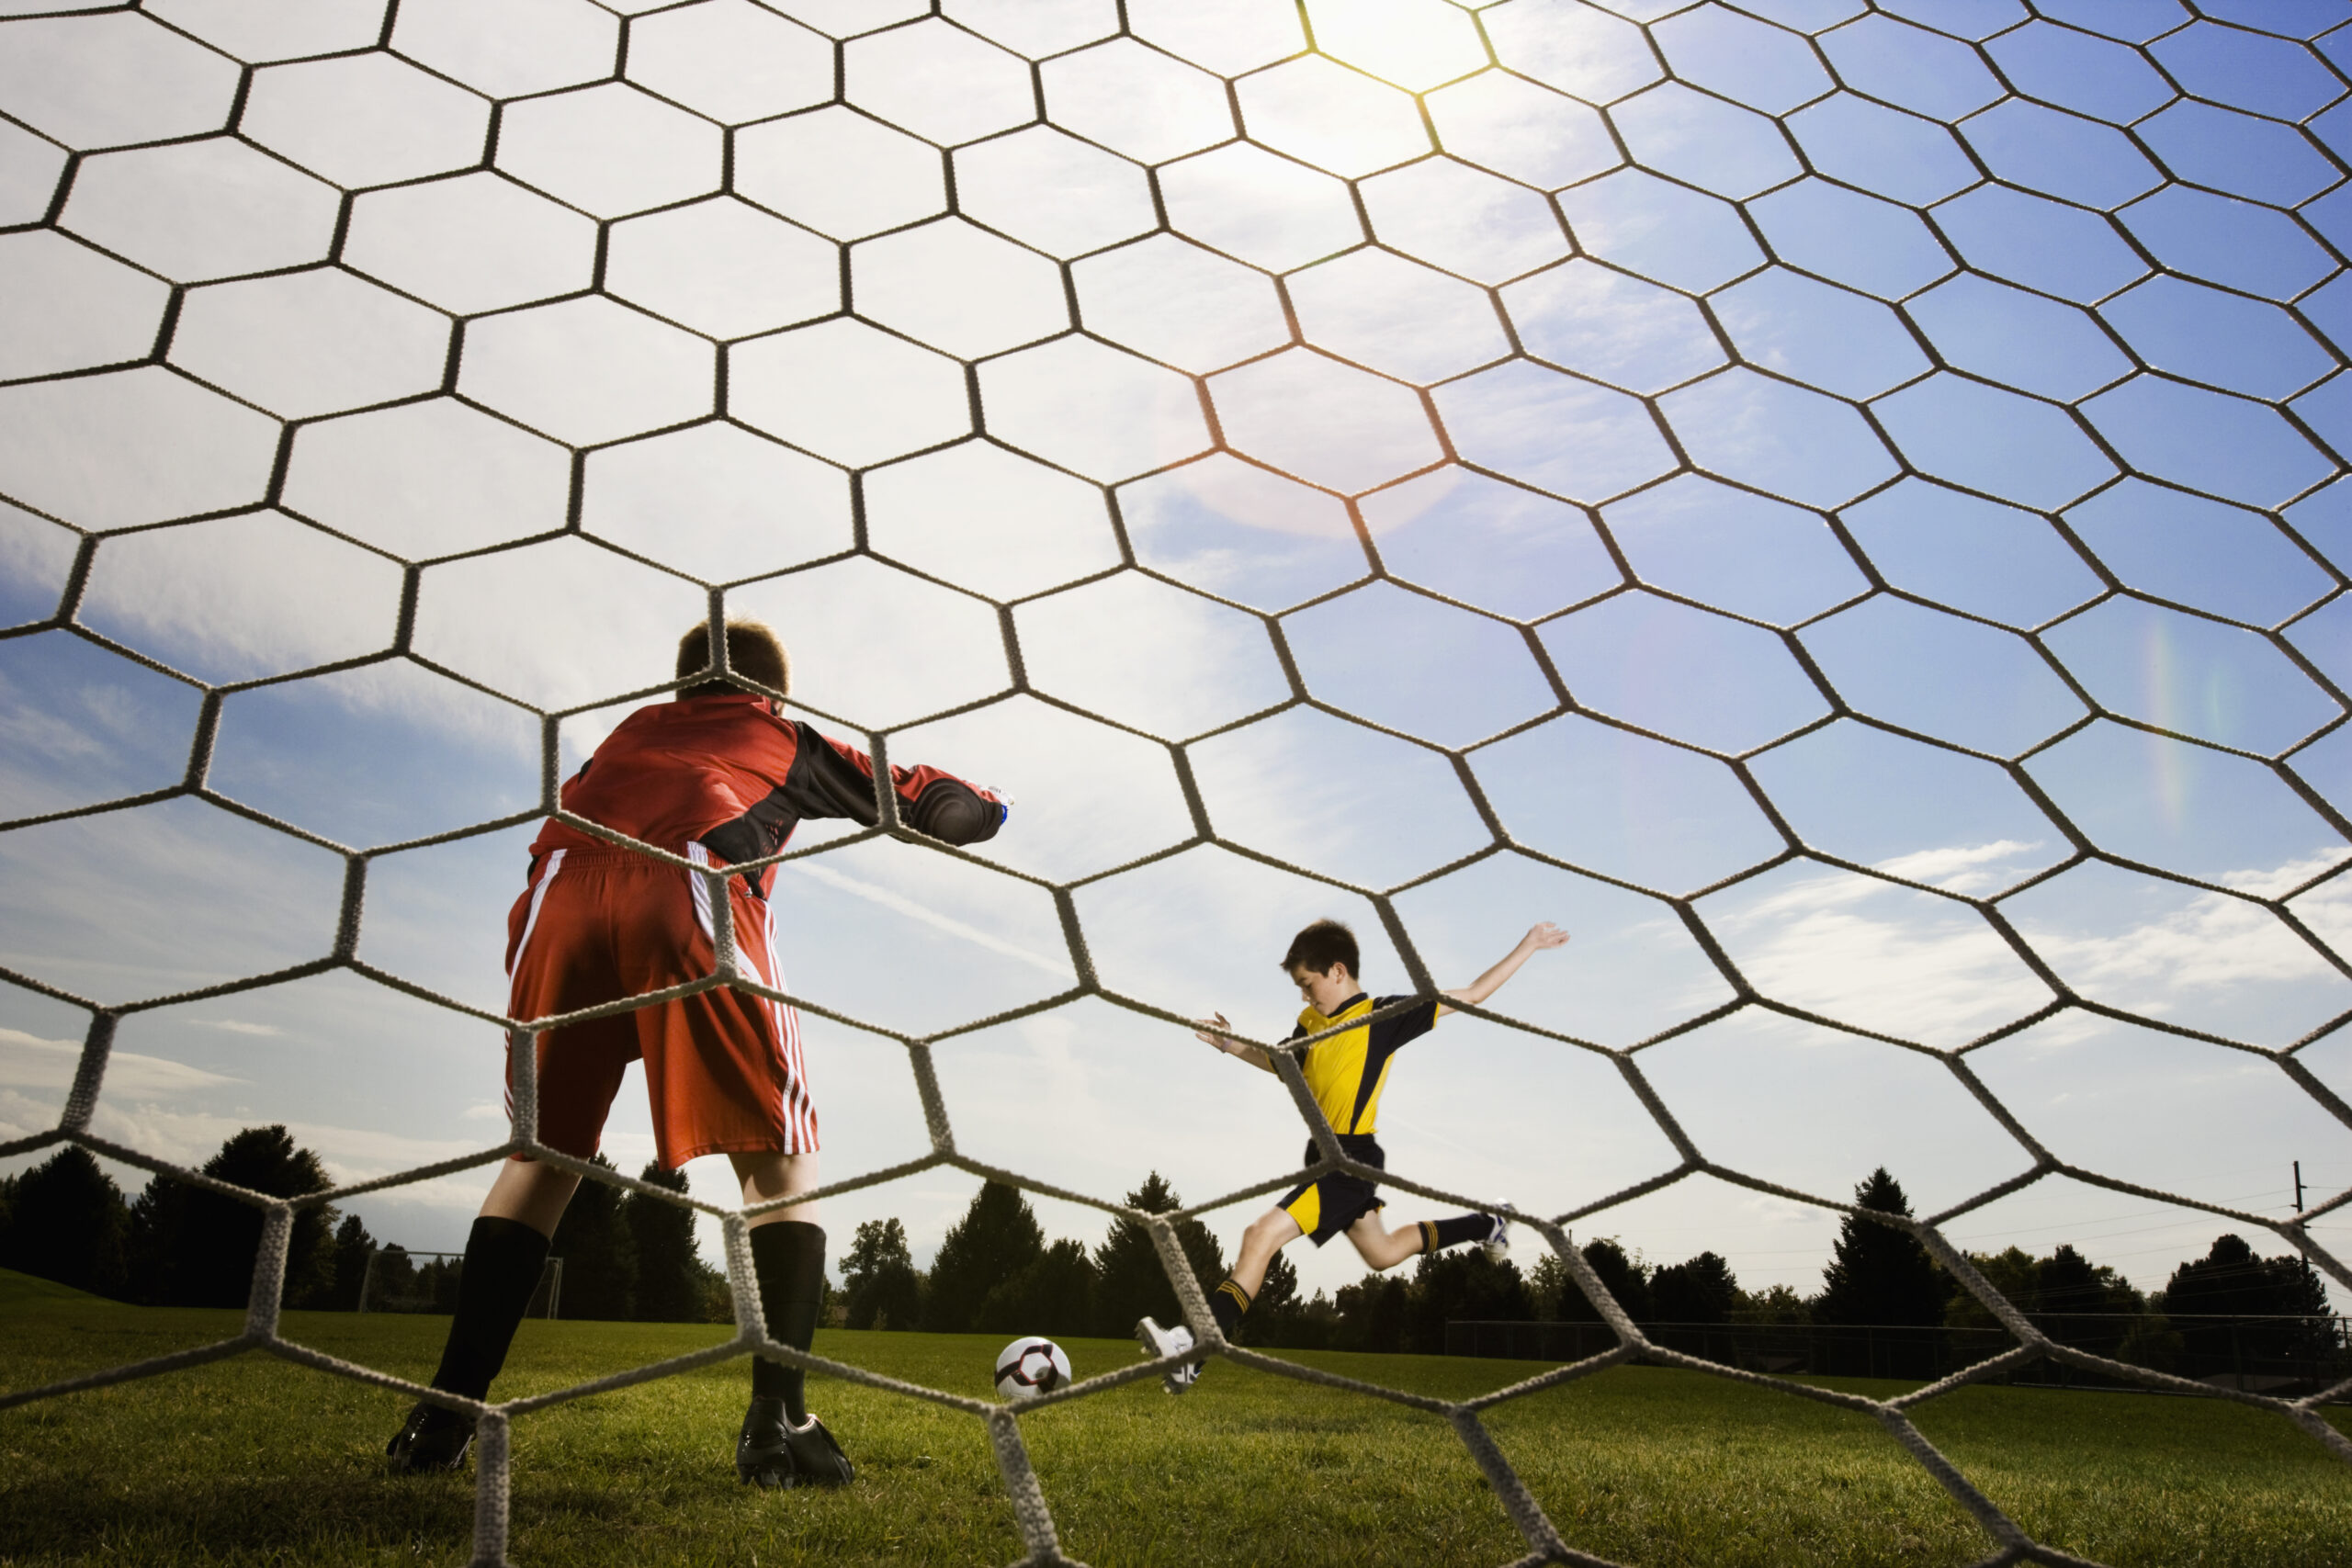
x=717, y=776
x=1345, y=1072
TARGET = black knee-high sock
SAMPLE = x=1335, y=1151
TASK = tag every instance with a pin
x=503, y=1258
x=1228, y=1302
x=1437, y=1234
x=790, y=1257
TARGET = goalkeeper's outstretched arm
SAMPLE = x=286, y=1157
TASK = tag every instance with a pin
x=829, y=779
x=1539, y=937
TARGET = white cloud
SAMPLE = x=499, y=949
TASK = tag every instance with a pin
x=2210, y=941
x=1962, y=868
x=30, y=730
x=21, y=1116
x=27, y=1062
x=2201, y=959
x=899, y=903
x=167, y=896
x=1871, y=954
x=241, y=596
x=168, y=1130
x=2326, y=909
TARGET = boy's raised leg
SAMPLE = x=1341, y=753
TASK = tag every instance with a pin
x=1491, y=1232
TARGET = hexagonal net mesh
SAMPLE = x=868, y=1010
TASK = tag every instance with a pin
x=1573, y=402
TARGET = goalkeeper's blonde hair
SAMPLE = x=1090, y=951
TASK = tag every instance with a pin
x=753, y=651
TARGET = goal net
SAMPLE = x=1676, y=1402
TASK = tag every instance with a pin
x=1837, y=504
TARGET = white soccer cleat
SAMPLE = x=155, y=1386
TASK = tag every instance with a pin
x=1161, y=1343
x=1496, y=1243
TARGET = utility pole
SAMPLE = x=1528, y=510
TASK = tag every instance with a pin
x=2302, y=1257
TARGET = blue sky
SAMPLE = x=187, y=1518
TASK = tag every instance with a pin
x=1531, y=464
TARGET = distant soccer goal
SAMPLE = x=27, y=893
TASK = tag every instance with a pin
x=397, y=1279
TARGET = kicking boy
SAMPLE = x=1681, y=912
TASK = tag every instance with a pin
x=717, y=776
x=1345, y=1073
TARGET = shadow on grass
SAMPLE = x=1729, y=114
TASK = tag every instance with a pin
x=167, y=1518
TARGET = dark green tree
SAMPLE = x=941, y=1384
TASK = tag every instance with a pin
x=438, y=1282
x=879, y=1280
x=669, y=1265
x=1776, y=1305
x=1310, y=1325
x=1053, y=1293
x=1878, y=1274
x=69, y=1223
x=2085, y=1305
x=1698, y=1290
x=1462, y=1285
x=1278, y=1293
x=1274, y=1311
x=1373, y=1313
x=353, y=1248
x=393, y=1288
x=2013, y=1271
x=714, y=1300
x=1626, y=1278
x=599, y=1254
x=996, y=1239
x=193, y=1247
x=2233, y=1303
x=1130, y=1281
x=2067, y=1281
x=880, y=1288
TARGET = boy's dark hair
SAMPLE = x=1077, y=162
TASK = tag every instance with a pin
x=752, y=651
x=1319, y=946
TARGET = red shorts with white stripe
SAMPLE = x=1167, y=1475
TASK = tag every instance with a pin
x=722, y=1067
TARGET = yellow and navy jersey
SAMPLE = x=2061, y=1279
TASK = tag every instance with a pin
x=1346, y=1072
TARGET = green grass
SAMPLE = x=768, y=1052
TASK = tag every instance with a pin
x=259, y=1460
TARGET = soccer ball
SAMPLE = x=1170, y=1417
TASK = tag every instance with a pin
x=1027, y=1368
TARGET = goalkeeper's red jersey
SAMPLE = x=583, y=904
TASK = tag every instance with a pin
x=727, y=773
x=719, y=780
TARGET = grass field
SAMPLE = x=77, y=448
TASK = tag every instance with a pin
x=259, y=1460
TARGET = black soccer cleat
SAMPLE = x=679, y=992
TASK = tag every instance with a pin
x=816, y=1456
x=763, y=1458
x=771, y=1452
x=431, y=1439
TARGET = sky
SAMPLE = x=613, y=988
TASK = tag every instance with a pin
x=1839, y=503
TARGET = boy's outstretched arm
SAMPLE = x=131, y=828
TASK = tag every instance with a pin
x=1538, y=938
x=1210, y=1032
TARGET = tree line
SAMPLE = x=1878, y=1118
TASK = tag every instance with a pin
x=996, y=1272
x=630, y=1256
x=177, y=1243
x=1879, y=1276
